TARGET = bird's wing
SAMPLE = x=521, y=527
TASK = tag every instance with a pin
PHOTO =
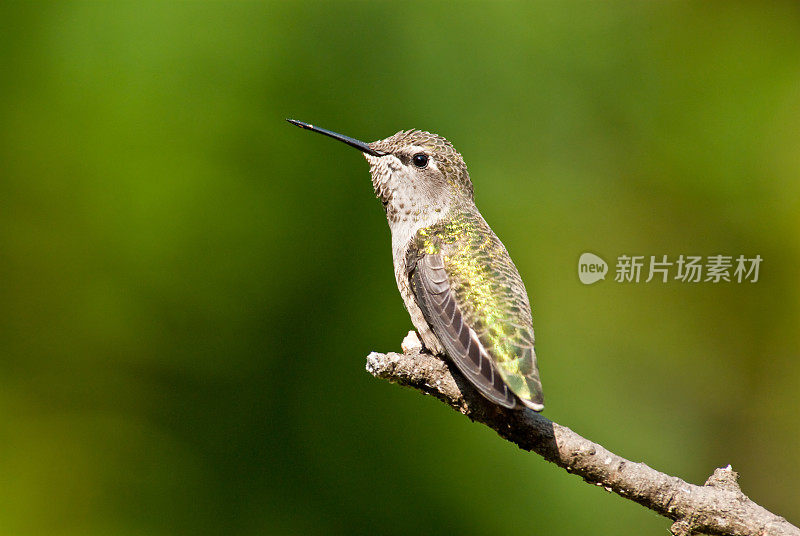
x=435, y=298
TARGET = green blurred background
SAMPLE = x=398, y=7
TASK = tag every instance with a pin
x=190, y=285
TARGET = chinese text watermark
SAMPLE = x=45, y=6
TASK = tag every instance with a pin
x=663, y=268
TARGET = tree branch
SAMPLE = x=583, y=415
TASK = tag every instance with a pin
x=717, y=507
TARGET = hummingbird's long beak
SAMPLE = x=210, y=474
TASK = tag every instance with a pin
x=360, y=145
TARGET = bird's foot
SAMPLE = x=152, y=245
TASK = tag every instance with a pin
x=411, y=343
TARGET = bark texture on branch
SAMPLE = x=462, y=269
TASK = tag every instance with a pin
x=717, y=507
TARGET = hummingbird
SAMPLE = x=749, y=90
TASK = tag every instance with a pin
x=464, y=294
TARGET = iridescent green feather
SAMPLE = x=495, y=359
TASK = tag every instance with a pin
x=490, y=295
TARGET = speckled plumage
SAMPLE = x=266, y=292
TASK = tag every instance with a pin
x=489, y=293
x=432, y=213
x=461, y=289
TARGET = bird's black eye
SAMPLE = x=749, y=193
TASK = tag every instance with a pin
x=420, y=160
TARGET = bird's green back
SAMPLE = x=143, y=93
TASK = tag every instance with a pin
x=489, y=293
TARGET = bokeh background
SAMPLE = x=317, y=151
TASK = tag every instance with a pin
x=189, y=285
